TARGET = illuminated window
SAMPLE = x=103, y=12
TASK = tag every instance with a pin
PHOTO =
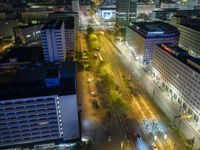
x=184, y=106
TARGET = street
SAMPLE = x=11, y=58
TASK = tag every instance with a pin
x=144, y=112
x=145, y=118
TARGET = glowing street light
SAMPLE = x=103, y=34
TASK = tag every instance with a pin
x=165, y=136
x=155, y=137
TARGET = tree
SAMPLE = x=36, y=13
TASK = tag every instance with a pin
x=117, y=104
x=92, y=4
x=18, y=40
x=143, y=16
x=90, y=30
x=92, y=37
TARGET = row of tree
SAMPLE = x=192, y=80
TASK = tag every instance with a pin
x=113, y=99
x=93, y=42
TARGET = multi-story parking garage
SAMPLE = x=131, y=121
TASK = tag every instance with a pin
x=39, y=105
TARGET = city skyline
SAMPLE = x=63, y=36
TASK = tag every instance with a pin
x=99, y=75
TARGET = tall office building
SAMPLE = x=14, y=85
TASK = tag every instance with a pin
x=125, y=12
x=53, y=41
x=142, y=36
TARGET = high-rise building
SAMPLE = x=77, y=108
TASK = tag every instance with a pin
x=142, y=36
x=53, y=41
x=178, y=73
x=125, y=12
x=71, y=24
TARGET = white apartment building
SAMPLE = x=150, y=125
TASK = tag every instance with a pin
x=53, y=41
x=178, y=73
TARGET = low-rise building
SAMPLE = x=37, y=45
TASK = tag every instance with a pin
x=20, y=57
x=29, y=33
x=107, y=13
x=6, y=27
x=142, y=36
x=178, y=72
x=28, y=16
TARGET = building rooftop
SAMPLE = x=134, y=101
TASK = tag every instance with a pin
x=69, y=22
x=63, y=12
x=110, y=7
x=23, y=54
x=154, y=29
x=182, y=55
x=53, y=24
x=30, y=25
x=31, y=81
x=191, y=23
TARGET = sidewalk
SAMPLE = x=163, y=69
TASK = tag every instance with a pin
x=163, y=101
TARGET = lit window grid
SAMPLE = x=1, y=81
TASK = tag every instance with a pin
x=187, y=83
x=28, y=120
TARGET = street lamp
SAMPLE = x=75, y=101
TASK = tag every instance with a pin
x=184, y=116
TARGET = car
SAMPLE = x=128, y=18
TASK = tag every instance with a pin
x=154, y=147
x=109, y=138
x=93, y=93
x=95, y=104
x=90, y=80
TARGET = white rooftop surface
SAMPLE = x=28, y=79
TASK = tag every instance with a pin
x=69, y=116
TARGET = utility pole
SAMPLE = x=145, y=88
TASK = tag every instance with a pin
x=154, y=93
x=128, y=11
x=192, y=143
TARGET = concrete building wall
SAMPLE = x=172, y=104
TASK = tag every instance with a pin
x=189, y=39
x=54, y=44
